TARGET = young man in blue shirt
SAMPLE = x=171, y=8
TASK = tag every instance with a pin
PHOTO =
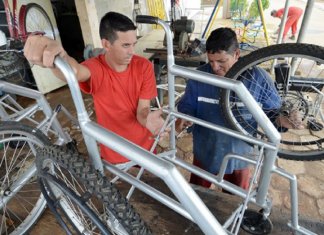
x=202, y=101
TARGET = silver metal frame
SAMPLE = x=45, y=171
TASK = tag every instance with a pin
x=19, y=113
x=164, y=165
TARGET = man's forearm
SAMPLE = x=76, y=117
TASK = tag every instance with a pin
x=82, y=73
x=142, y=116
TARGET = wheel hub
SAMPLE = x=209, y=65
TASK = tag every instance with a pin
x=255, y=223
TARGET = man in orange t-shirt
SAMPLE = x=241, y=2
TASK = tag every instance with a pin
x=121, y=83
x=116, y=96
x=294, y=13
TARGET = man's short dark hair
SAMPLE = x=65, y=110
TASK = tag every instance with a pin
x=222, y=39
x=274, y=13
x=113, y=22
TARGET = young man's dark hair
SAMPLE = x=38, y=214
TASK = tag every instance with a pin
x=222, y=39
x=113, y=22
x=273, y=13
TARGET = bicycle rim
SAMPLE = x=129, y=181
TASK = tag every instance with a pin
x=21, y=201
x=303, y=65
x=35, y=19
x=73, y=215
x=81, y=199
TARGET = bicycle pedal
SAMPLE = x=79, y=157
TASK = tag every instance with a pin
x=254, y=223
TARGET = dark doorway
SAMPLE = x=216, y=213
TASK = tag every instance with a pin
x=69, y=27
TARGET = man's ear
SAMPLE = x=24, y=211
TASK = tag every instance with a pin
x=105, y=43
x=237, y=53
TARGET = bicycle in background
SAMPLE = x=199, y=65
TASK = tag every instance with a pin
x=29, y=18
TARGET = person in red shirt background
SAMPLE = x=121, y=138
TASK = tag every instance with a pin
x=294, y=13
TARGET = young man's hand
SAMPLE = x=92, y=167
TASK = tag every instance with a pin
x=182, y=124
x=292, y=121
x=41, y=50
x=154, y=124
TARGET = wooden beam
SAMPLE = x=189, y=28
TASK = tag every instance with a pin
x=88, y=17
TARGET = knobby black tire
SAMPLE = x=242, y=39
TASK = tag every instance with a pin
x=273, y=51
x=300, y=50
x=27, y=205
x=19, y=127
x=97, y=185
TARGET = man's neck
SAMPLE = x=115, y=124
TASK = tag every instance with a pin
x=116, y=67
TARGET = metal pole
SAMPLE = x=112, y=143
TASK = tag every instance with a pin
x=283, y=21
x=210, y=20
x=260, y=7
x=213, y=20
x=282, y=27
x=307, y=14
x=303, y=27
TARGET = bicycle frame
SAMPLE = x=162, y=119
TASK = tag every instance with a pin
x=164, y=164
x=12, y=19
x=16, y=30
x=19, y=113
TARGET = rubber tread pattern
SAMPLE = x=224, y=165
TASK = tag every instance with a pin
x=301, y=49
x=98, y=185
x=16, y=126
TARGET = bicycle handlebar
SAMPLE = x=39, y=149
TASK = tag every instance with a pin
x=72, y=81
x=145, y=19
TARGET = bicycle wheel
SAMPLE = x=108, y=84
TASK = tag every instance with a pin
x=298, y=76
x=21, y=201
x=82, y=200
x=33, y=18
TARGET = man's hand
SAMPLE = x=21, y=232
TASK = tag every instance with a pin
x=41, y=50
x=292, y=121
x=154, y=123
x=182, y=124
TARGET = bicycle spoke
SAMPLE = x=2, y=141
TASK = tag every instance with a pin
x=21, y=202
x=297, y=71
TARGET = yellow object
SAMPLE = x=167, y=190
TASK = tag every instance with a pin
x=213, y=19
x=156, y=8
x=263, y=22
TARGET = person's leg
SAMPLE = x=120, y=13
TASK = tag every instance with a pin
x=194, y=179
x=294, y=25
x=294, y=29
x=240, y=178
x=294, y=19
x=289, y=22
